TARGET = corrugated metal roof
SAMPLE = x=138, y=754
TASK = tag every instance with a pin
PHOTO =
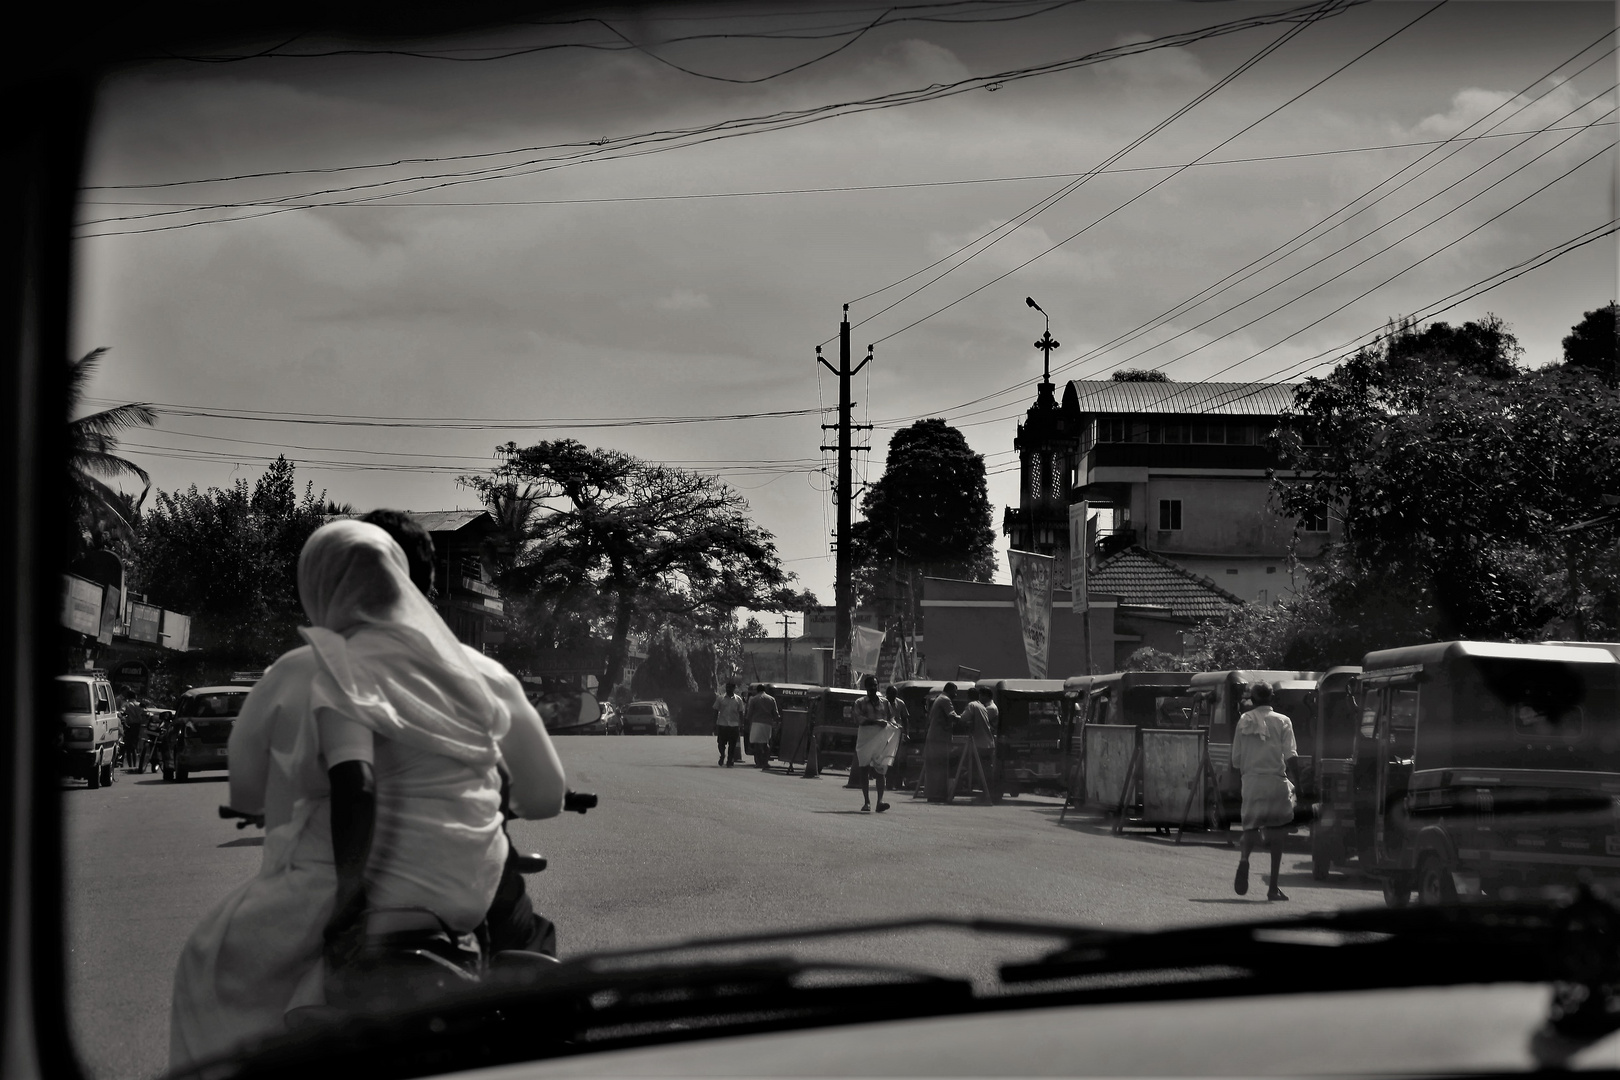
x=448, y=520
x=1139, y=576
x=1196, y=398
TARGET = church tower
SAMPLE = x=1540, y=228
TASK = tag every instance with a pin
x=1047, y=445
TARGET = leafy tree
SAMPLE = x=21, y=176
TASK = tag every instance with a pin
x=665, y=673
x=1147, y=658
x=1451, y=469
x=606, y=542
x=1141, y=375
x=229, y=558
x=105, y=517
x=1594, y=343
x=927, y=515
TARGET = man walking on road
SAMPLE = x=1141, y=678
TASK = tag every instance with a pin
x=1262, y=746
x=982, y=749
x=937, y=749
x=876, y=739
x=762, y=715
x=728, y=716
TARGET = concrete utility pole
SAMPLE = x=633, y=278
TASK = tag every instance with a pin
x=786, y=675
x=843, y=587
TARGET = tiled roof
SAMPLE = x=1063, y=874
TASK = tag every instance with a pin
x=1195, y=398
x=1139, y=576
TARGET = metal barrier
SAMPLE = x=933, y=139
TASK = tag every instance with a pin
x=1109, y=752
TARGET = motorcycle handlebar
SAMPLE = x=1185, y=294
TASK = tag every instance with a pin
x=579, y=801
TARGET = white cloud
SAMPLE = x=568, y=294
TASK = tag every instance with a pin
x=683, y=300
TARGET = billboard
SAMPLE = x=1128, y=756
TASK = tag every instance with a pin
x=145, y=622
x=1078, y=545
x=1032, y=596
x=81, y=605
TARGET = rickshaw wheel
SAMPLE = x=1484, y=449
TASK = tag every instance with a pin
x=1435, y=886
x=1397, y=892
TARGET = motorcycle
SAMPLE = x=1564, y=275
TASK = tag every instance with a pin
x=397, y=958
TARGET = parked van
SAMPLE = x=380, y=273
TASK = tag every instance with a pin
x=87, y=740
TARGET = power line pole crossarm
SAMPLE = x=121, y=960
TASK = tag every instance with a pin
x=843, y=587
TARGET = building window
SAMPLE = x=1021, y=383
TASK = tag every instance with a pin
x=1316, y=521
x=1170, y=514
x=1111, y=429
x=1176, y=432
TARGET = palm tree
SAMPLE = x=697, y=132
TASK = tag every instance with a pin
x=99, y=510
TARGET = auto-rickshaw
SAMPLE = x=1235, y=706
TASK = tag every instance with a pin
x=1336, y=719
x=1118, y=707
x=1217, y=705
x=1484, y=769
x=833, y=733
x=1032, y=737
x=799, y=704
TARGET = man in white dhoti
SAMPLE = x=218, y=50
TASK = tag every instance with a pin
x=1262, y=746
x=762, y=716
x=877, y=740
x=373, y=755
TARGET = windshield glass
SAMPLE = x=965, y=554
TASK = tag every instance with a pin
x=989, y=344
x=74, y=697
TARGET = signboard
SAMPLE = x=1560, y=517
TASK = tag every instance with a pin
x=176, y=633
x=1077, y=556
x=81, y=605
x=145, y=622
x=112, y=609
x=133, y=674
x=1032, y=596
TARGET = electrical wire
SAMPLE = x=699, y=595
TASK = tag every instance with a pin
x=1287, y=247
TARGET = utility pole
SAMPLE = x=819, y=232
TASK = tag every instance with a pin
x=843, y=587
x=786, y=675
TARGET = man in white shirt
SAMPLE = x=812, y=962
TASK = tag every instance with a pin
x=728, y=717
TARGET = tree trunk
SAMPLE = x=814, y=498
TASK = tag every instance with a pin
x=619, y=647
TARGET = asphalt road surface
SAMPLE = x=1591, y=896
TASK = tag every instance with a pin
x=679, y=848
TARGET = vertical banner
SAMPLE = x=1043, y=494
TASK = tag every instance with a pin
x=867, y=643
x=1032, y=595
x=1078, y=543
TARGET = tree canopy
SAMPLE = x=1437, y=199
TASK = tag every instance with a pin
x=228, y=557
x=104, y=517
x=1452, y=470
x=1594, y=343
x=928, y=514
x=602, y=543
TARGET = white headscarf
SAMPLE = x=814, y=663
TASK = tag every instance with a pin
x=386, y=659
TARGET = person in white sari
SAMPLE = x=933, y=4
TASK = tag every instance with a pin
x=387, y=726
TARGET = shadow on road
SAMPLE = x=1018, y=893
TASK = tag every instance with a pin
x=246, y=841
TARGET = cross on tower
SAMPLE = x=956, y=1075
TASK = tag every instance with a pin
x=1046, y=345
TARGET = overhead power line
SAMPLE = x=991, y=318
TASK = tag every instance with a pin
x=668, y=139
x=461, y=423
x=836, y=189
x=1294, y=243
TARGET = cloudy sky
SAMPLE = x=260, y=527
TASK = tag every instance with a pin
x=534, y=233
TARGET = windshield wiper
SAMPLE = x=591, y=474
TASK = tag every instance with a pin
x=627, y=998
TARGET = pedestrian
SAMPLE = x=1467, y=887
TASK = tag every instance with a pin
x=877, y=738
x=942, y=716
x=382, y=726
x=728, y=715
x=902, y=719
x=982, y=736
x=762, y=715
x=134, y=724
x=1262, y=747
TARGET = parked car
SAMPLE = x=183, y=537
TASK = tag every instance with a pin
x=648, y=718
x=198, y=738
x=87, y=740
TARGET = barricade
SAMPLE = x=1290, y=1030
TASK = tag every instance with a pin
x=1109, y=772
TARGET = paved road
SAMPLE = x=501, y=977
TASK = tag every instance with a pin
x=678, y=848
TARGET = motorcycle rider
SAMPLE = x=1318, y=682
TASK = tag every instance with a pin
x=373, y=756
x=512, y=922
